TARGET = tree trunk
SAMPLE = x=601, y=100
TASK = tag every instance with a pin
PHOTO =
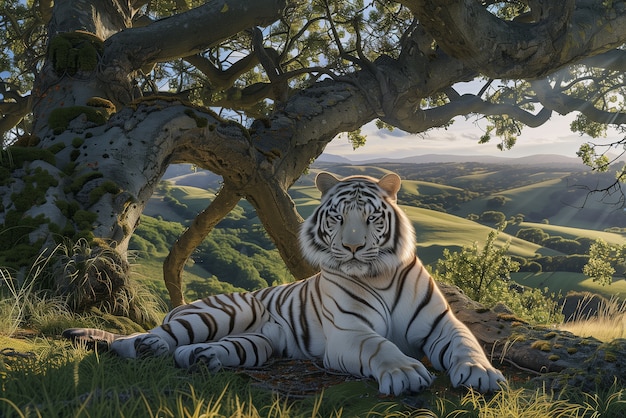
x=202, y=225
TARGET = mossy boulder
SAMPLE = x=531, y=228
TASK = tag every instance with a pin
x=558, y=358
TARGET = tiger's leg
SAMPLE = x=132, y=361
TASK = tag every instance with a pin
x=368, y=354
x=246, y=350
x=208, y=319
x=451, y=346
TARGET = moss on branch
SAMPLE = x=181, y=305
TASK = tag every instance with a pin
x=75, y=51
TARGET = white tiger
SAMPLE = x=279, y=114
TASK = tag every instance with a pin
x=372, y=311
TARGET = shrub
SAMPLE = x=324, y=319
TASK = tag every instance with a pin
x=493, y=217
x=496, y=202
x=483, y=274
x=535, y=235
x=477, y=271
x=567, y=246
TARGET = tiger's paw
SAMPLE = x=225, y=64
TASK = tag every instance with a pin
x=409, y=378
x=477, y=376
x=189, y=356
x=151, y=345
x=140, y=345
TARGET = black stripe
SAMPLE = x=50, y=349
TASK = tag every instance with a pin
x=255, y=349
x=187, y=327
x=304, y=327
x=255, y=314
x=241, y=351
x=442, y=354
x=356, y=314
x=400, y=281
x=168, y=329
x=209, y=322
x=436, y=322
x=425, y=301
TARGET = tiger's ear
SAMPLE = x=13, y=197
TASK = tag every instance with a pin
x=391, y=184
x=325, y=181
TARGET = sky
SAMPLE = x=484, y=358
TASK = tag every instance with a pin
x=554, y=137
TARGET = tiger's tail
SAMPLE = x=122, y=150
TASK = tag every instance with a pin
x=91, y=338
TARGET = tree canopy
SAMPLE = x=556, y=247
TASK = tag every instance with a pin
x=109, y=93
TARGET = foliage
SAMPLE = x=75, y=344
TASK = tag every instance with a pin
x=477, y=271
x=484, y=276
x=493, y=217
x=154, y=235
x=571, y=263
x=230, y=252
x=536, y=235
x=566, y=246
x=605, y=261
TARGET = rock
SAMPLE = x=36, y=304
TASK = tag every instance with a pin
x=559, y=358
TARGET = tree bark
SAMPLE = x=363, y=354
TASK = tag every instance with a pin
x=555, y=36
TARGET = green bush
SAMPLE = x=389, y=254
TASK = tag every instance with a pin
x=534, y=235
x=492, y=217
x=483, y=274
x=567, y=246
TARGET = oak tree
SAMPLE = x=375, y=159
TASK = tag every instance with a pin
x=100, y=96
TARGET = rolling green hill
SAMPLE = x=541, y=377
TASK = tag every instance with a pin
x=556, y=200
x=573, y=233
x=455, y=190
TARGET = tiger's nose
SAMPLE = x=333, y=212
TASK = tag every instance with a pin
x=353, y=247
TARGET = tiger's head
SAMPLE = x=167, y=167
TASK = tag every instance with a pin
x=358, y=229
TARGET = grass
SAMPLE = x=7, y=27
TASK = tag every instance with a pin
x=438, y=229
x=418, y=188
x=608, y=324
x=48, y=377
x=520, y=200
x=22, y=305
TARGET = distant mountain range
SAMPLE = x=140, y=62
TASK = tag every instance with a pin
x=184, y=170
x=539, y=159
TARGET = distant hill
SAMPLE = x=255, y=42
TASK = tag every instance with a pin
x=187, y=175
x=538, y=159
x=445, y=198
x=541, y=187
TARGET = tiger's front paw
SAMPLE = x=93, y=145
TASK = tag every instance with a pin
x=408, y=378
x=484, y=378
